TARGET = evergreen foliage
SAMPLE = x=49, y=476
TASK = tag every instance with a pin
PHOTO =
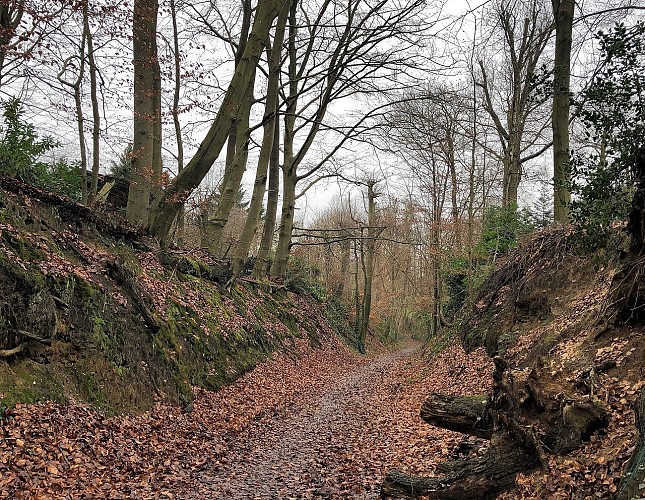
x=21, y=147
x=502, y=228
x=122, y=167
x=612, y=110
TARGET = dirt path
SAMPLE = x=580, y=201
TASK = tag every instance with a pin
x=302, y=453
x=324, y=424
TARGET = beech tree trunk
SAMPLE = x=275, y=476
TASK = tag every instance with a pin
x=243, y=245
x=563, y=15
x=289, y=180
x=216, y=221
x=289, y=177
x=165, y=211
x=369, y=260
x=261, y=268
x=144, y=32
x=96, y=114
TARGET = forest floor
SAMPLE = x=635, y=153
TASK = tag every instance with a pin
x=323, y=424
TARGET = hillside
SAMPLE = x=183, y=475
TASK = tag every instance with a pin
x=92, y=311
x=128, y=372
x=566, y=340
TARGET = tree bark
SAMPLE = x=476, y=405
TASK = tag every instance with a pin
x=289, y=180
x=482, y=478
x=466, y=414
x=144, y=31
x=96, y=114
x=216, y=221
x=175, y=112
x=165, y=211
x=261, y=267
x=369, y=260
x=243, y=245
x=563, y=15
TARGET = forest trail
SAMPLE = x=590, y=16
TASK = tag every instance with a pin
x=309, y=423
x=307, y=450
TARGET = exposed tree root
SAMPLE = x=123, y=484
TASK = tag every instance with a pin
x=483, y=477
x=516, y=418
x=142, y=300
x=632, y=485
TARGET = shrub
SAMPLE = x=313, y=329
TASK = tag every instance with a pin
x=21, y=147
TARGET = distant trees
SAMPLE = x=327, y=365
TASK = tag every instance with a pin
x=295, y=93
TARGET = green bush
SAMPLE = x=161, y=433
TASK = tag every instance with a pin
x=122, y=167
x=305, y=280
x=612, y=111
x=21, y=147
x=502, y=229
x=62, y=177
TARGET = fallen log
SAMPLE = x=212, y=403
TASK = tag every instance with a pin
x=513, y=417
x=483, y=477
x=466, y=414
x=632, y=484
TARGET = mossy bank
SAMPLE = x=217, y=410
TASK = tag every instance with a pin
x=104, y=317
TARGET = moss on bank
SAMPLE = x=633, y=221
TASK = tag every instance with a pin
x=88, y=340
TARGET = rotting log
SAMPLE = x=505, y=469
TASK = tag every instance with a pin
x=632, y=484
x=513, y=416
x=466, y=414
x=577, y=421
x=482, y=477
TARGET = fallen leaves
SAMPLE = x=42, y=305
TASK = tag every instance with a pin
x=315, y=422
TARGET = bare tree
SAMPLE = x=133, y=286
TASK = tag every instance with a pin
x=354, y=50
x=169, y=205
x=525, y=30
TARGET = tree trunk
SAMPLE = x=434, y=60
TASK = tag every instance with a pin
x=96, y=114
x=482, y=478
x=216, y=221
x=175, y=112
x=279, y=267
x=165, y=211
x=144, y=31
x=289, y=178
x=81, y=142
x=369, y=260
x=563, y=15
x=156, y=187
x=510, y=417
x=261, y=268
x=243, y=245
x=466, y=414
